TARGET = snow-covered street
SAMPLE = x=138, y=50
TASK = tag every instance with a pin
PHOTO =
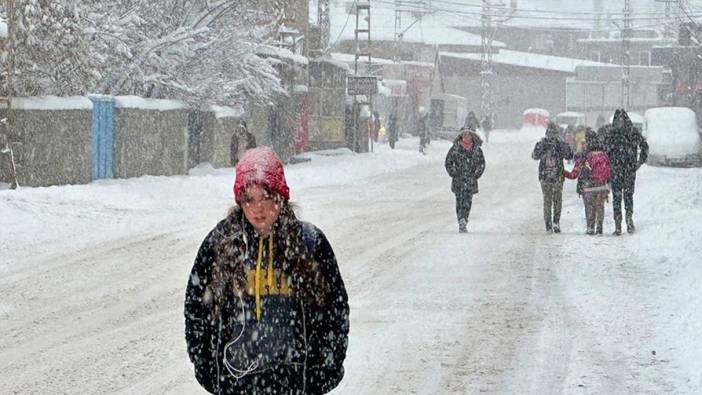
x=92, y=279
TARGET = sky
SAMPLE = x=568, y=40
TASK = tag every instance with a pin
x=92, y=278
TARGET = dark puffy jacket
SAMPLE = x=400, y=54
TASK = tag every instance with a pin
x=626, y=148
x=292, y=348
x=465, y=166
x=553, y=148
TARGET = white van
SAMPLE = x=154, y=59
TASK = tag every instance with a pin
x=673, y=137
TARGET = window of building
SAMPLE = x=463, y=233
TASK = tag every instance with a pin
x=595, y=56
x=645, y=58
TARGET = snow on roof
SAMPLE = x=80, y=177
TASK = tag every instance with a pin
x=350, y=58
x=281, y=53
x=528, y=59
x=52, y=103
x=335, y=62
x=570, y=114
x=148, y=104
x=431, y=29
x=227, y=112
x=539, y=111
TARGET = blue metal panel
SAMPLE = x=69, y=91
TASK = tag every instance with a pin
x=102, y=130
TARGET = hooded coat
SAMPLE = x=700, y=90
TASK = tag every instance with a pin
x=626, y=148
x=266, y=316
x=465, y=166
x=551, y=148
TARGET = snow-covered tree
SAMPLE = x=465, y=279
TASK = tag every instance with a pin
x=195, y=50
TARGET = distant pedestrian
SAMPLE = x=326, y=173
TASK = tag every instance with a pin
x=471, y=122
x=487, y=126
x=627, y=150
x=423, y=129
x=375, y=131
x=241, y=141
x=465, y=164
x=392, y=130
x=593, y=172
x=550, y=151
x=266, y=310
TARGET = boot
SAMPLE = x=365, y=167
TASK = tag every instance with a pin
x=590, y=231
x=556, y=228
x=617, y=228
x=549, y=228
x=630, y=224
x=462, y=226
x=598, y=231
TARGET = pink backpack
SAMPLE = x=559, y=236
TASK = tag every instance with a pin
x=601, y=169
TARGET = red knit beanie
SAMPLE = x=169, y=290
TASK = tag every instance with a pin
x=261, y=166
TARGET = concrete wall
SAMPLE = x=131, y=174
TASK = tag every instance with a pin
x=54, y=147
x=150, y=142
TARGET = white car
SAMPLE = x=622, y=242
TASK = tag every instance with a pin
x=673, y=137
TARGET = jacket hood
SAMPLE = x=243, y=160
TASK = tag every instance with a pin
x=552, y=130
x=476, y=138
x=621, y=120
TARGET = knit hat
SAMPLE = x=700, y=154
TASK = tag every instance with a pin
x=261, y=166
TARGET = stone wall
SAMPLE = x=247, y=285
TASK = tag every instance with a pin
x=53, y=145
x=150, y=141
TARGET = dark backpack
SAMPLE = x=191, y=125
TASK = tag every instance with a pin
x=550, y=169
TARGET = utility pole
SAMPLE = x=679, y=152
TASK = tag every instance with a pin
x=485, y=60
x=487, y=34
x=668, y=29
x=362, y=6
x=9, y=119
x=626, y=56
x=324, y=24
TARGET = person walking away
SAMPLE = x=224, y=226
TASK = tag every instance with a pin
x=241, y=141
x=471, y=122
x=593, y=172
x=580, y=137
x=423, y=130
x=266, y=310
x=550, y=151
x=375, y=131
x=627, y=150
x=465, y=164
x=392, y=130
x=487, y=126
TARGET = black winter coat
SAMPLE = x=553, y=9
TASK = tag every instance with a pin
x=465, y=166
x=294, y=347
x=554, y=148
x=626, y=148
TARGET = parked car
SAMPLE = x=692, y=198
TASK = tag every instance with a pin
x=535, y=117
x=673, y=137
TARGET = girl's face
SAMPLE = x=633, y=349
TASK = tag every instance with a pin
x=467, y=140
x=261, y=208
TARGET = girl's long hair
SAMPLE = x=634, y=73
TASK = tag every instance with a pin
x=290, y=253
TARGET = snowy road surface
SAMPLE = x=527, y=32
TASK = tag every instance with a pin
x=92, y=280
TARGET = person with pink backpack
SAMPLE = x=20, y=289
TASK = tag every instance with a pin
x=594, y=172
